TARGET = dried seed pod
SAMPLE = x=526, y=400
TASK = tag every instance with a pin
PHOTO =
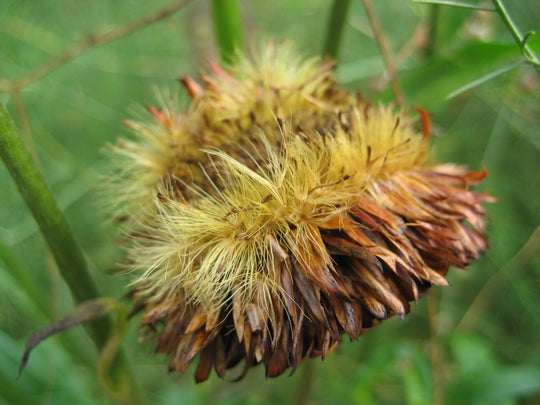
x=302, y=215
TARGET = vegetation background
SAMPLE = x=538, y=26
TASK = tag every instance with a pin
x=476, y=342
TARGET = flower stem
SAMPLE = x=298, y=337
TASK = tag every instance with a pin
x=338, y=17
x=434, y=348
x=227, y=28
x=432, y=30
x=528, y=53
x=389, y=63
x=54, y=227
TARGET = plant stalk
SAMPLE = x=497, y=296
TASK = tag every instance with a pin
x=528, y=53
x=338, y=18
x=432, y=30
x=228, y=29
x=388, y=62
x=54, y=227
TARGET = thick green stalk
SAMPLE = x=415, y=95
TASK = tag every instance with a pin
x=528, y=53
x=228, y=29
x=338, y=17
x=54, y=227
x=47, y=213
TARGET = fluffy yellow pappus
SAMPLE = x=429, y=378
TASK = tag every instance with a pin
x=201, y=250
x=228, y=112
x=274, y=80
x=278, y=213
x=162, y=145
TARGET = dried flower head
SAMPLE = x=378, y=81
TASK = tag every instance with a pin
x=279, y=213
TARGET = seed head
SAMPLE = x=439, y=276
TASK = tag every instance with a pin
x=279, y=213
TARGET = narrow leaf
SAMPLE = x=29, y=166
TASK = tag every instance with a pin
x=482, y=80
x=84, y=313
x=455, y=4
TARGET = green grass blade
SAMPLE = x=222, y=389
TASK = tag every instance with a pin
x=228, y=29
x=482, y=80
x=338, y=18
x=521, y=40
x=68, y=255
x=455, y=4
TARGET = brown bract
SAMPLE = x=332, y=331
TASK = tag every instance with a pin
x=395, y=243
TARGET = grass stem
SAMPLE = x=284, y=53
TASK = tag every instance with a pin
x=228, y=29
x=528, y=53
x=338, y=18
x=390, y=67
x=54, y=227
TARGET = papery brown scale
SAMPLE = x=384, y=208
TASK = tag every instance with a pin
x=156, y=313
x=188, y=347
x=206, y=361
x=220, y=359
x=309, y=293
x=332, y=324
x=382, y=288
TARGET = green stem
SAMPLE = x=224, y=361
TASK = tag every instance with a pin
x=54, y=227
x=528, y=53
x=432, y=33
x=228, y=28
x=39, y=198
x=338, y=17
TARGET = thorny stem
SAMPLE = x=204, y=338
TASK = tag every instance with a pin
x=390, y=67
x=338, y=17
x=228, y=29
x=92, y=41
x=434, y=348
x=54, y=227
x=528, y=53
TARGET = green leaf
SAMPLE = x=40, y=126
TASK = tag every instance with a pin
x=51, y=375
x=84, y=313
x=455, y=4
x=482, y=80
x=118, y=385
x=513, y=382
x=428, y=85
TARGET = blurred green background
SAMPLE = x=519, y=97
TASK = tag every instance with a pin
x=478, y=342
